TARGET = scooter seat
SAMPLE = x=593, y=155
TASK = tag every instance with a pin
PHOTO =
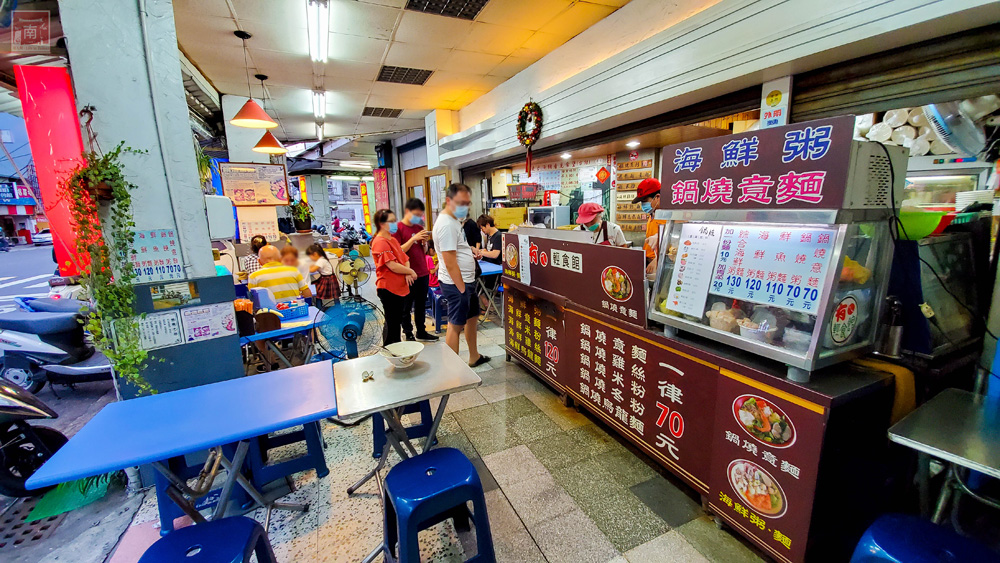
x=49, y=305
x=40, y=323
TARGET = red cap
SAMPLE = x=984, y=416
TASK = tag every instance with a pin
x=587, y=212
x=647, y=187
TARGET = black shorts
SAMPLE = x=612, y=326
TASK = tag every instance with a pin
x=461, y=306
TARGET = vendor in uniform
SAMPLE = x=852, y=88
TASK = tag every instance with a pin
x=648, y=197
x=590, y=218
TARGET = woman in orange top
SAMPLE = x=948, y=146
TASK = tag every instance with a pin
x=393, y=275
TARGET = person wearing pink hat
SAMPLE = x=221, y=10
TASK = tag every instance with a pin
x=590, y=218
x=648, y=196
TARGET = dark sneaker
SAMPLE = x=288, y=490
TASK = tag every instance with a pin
x=426, y=337
x=408, y=337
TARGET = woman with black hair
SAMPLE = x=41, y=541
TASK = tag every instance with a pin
x=327, y=287
x=251, y=263
x=393, y=275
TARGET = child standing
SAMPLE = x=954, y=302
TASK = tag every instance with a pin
x=327, y=287
x=432, y=266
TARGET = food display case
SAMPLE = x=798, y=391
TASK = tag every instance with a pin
x=797, y=278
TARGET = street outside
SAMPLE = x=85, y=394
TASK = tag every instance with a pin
x=24, y=271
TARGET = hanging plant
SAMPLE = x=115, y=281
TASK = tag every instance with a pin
x=205, y=168
x=302, y=215
x=107, y=275
x=530, y=113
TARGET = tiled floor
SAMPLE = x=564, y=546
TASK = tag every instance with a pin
x=559, y=488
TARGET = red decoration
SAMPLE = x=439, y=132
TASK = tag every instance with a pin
x=533, y=113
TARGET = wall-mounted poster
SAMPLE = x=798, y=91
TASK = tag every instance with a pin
x=253, y=184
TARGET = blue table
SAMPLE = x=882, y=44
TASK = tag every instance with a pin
x=290, y=327
x=489, y=269
x=159, y=427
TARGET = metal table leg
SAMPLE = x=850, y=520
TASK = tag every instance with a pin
x=924, y=484
x=490, y=296
x=281, y=357
x=429, y=441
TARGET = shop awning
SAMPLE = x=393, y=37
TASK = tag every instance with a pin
x=17, y=209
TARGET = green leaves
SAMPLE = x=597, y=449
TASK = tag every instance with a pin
x=107, y=275
x=302, y=211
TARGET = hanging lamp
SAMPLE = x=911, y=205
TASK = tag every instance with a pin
x=269, y=144
x=251, y=115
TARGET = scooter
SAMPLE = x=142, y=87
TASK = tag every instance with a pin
x=48, y=346
x=23, y=447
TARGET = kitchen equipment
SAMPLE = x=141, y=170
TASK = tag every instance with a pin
x=550, y=217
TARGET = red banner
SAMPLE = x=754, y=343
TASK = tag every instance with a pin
x=56, y=146
x=382, y=188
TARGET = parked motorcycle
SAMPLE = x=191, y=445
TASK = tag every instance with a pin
x=48, y=346
x=23, y=447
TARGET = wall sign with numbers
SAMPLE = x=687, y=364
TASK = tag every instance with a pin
x=156, y=256
x=804, y=165
x=534, y=333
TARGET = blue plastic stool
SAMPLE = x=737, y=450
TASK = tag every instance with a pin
x=230, y=540
x=416, y=431
x=439, y=306
x=900, y=538
x=262, y=472
x=430, y=488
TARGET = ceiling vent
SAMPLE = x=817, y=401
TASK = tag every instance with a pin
x=381, y=112
x=404, y=75
x=462, y=9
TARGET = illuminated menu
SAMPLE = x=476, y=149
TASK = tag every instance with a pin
x=781, y=266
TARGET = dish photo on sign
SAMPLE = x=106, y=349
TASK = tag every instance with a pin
x=764, y=421
x=616, y=283
x=756, y=486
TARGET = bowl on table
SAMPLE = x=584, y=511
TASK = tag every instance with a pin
x=402, y=354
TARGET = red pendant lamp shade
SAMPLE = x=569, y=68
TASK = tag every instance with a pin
x=268, y=144
x=252, y=116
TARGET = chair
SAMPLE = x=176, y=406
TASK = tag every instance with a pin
x=898, y=537
x=416, y=431
x=427, y=489
x=439, y=306
x=230, y=540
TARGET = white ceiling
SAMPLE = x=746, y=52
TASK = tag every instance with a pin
x=468, y=58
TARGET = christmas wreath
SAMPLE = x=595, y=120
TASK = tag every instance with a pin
x=533, y=113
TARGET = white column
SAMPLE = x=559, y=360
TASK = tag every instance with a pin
x=319, y=198
x=126, y=65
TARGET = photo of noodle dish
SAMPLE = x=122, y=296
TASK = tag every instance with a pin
x=764, y=421
x=757, y=488
x=616, y=283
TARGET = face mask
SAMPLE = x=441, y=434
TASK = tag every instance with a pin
x=595, y=226
x=646, y=207
x=417, y=220
x=392, y=228
x=461, y=212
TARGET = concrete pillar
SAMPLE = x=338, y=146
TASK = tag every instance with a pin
x=125, y=64
x=319, y=197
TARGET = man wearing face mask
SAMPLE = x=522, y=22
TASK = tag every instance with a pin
x=412, y=238
x=590, y=218
x=648, y=197
x=457, y=271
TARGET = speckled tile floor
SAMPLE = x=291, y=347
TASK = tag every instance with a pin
x=558, y=487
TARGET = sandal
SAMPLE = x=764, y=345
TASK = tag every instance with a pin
x=482, y=360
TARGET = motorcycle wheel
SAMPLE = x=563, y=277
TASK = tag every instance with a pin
x=28, y=379
x=16, y=467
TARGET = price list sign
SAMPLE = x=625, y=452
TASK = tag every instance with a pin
x=765, y=458
x=155, y=256
x=693, y=268
x=534, y=330
x=773, y=265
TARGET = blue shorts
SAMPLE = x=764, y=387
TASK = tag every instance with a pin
x=461, y=306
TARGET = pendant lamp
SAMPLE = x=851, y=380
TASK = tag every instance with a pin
x=251, y=115
x=269, y=144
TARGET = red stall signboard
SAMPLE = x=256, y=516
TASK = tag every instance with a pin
x=802, y=166
x=765, y=457
x=602, y=278
x=534, y=332
x=652, y=393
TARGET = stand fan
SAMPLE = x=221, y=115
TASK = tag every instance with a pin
x=350, y=329
x=353, y=272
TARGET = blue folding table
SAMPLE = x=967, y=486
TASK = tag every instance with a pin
x=490, y=269
x=289, y=327
x=157, y=428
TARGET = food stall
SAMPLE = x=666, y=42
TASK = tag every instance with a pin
x=708, y=397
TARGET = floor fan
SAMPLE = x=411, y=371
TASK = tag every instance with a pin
x=350, y=329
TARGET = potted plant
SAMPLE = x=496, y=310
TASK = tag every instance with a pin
x=302, y=214
x=205, y=168
x=104, y=247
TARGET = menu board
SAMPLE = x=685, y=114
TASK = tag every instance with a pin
x=159, y=330
x=773, y=265
x=534, y=331
x=602, y=278
x=252, y=184
x=765, y=459
x=650, y=392
x=693, y=268
x=155, y=256
x=208, y=321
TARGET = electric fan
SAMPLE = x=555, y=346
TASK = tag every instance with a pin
x=961, y=125
x=350, y=328
x=354, y=271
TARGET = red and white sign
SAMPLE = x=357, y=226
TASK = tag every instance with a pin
x=30, y=31
x=634, y=155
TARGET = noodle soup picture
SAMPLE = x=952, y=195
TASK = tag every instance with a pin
x=763, y=420
x=757, y=488
x=616, y=283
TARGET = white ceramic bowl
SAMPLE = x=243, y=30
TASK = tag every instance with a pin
x=405, y=353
